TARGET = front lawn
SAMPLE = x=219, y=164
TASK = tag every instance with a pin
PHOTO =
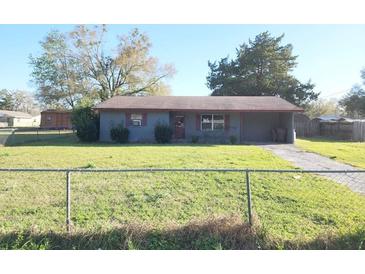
x=352, y=153
x=170, y=210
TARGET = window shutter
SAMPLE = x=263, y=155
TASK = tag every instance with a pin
x=226, y=122
x=144, y=119
x=128, y=121
x=197, y=121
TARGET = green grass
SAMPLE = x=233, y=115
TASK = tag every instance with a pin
x=352, y=153
x=29, y=135
x=170, y=210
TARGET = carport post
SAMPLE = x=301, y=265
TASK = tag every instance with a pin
x=68, y=201
x=249, y=204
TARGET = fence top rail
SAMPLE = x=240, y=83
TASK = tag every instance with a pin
x=90, y=170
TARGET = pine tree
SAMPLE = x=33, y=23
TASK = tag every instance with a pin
x=261, y=67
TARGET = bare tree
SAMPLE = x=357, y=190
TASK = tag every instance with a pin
x=323, y=107
x=75, y=68
x=130, y=71
x=18, y=100
x=57, y=74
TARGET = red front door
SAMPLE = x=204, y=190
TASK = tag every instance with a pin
x=179, y=127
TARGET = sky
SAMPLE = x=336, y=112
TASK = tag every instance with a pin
x=331, y=56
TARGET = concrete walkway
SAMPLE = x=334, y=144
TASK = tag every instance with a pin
x=308, y=160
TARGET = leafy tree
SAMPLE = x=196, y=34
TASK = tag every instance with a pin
x=57, y=74
x=323, y=107
x=6, y=100
x=86, y=122
x=129, y=71
x=362, y=75
x=18, y=100
x=261, y=67
x=354, y=102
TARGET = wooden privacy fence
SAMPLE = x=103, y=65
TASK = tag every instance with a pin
x=344, y=130
x=307, y=128
x=339, y=130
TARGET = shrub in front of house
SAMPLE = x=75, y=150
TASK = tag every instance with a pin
x=195, y=139
x=86, y=123
x=163, y=133
x=119, y=134
x=233, y=139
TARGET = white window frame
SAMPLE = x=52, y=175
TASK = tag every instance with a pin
x=212, y=128
x=136, y=122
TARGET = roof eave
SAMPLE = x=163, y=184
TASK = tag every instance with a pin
x=200, y=110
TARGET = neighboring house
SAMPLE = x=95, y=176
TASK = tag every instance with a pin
x=56, y=119
x=17, y=119
x=335, y=126
x=36, y=121
x=212, y=119
x=332, y=118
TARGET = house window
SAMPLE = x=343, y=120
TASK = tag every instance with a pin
x=136, y=119
x=210, y=122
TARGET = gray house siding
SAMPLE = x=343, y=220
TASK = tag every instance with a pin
x=287, y=121
x=212, y=136
x=147, y=133
x=108, y=120
x=257, y=126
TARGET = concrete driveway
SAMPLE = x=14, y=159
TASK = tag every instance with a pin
x=308, y=160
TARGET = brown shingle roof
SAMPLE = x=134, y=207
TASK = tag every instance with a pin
x=56, y=111
x=202, y=103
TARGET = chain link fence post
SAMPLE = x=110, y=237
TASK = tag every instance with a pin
x=68, y=201
x=249, y=202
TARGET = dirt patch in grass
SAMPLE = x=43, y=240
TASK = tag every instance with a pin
x=219, y=233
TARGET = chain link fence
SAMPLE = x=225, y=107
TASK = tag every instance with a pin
x=16, y=136
x=308, y=207
x=287, y=205
x=32, y=201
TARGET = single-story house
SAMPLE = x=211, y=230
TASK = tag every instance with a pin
x=56, y=119
x=10, y=118
x=211, y=119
